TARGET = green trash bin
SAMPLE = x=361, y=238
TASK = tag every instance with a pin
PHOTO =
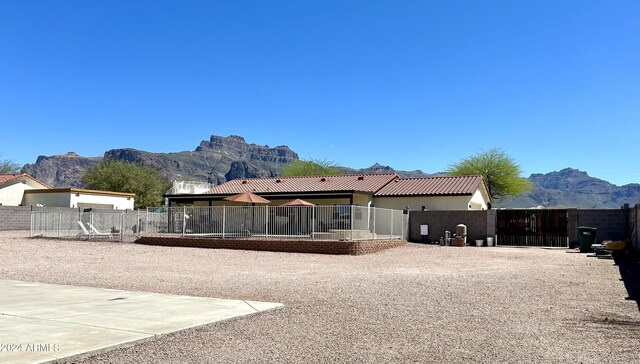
x=586, y=237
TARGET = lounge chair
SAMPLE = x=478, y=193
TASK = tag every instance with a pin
x=96, y=233
x=85, y=233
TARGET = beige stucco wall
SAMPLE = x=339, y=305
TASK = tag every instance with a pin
x=12, y=194
x=433, y=203
x=360, y=200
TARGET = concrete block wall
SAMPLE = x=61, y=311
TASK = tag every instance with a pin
x=440, y=221
x=15, y=217
x=634, y=225
x=491, y=223
x=611, y=224
x=572, y=226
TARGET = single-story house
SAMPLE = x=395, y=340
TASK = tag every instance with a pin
x=321, y=190
x=79, y=198
x=380, y=190
x=435, y=193
x=13, y=186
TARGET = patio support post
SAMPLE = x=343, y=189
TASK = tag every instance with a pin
x=224, y=215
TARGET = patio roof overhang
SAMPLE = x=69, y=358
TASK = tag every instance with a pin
x=268, y=195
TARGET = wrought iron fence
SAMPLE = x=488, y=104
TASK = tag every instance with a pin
x=339, y=222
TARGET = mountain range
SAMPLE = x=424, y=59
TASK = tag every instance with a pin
x=221, y=159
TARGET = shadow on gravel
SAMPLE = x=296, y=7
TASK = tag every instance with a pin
x=630, y=273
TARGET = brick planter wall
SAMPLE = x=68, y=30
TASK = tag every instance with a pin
x=275, y=245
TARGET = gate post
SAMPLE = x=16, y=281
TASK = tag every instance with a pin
x=184, y=219
x=224, y=212
x=572, y=226
x=59, y=222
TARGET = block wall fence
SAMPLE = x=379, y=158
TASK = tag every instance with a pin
x=15, y=217
x=612, y=224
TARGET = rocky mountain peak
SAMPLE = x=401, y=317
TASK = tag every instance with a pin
x=220, y=159
x=216, y=161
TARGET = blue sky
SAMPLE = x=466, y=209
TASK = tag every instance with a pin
x=411, y=84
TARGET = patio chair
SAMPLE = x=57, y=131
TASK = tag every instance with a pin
x=95, y=232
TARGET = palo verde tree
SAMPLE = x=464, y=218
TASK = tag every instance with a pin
x=312, y=167
x=500, y=172
x=9, y=167
x=119, y=176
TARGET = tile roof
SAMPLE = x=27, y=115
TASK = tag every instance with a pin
x=443, y=186
x=369, y=183
x=6, y=178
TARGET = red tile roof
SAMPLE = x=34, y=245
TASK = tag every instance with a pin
x=434, y=186
x=6, y=178
x=368, y=183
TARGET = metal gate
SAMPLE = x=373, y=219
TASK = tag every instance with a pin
x=532, y=228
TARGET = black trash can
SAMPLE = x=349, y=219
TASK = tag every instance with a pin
x=586, y=237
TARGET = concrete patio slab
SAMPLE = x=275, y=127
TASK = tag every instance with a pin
x=46, y=322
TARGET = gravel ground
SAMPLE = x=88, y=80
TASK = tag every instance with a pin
x=413, y=304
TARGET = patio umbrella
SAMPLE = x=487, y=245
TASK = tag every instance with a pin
x=250, y=198
x=298, y=222
x=298, y=202
x=247, y=197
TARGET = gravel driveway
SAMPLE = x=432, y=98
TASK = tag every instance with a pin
x=413, y=304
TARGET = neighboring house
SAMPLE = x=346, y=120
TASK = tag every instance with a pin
x=435, y=193
x=79, y=198
x=13, y=186
x=379, y=190
x=185, y=187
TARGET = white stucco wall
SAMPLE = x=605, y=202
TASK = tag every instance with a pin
x=478, y=202
x=101, y=201
x=75, y=199
x=12, y=194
